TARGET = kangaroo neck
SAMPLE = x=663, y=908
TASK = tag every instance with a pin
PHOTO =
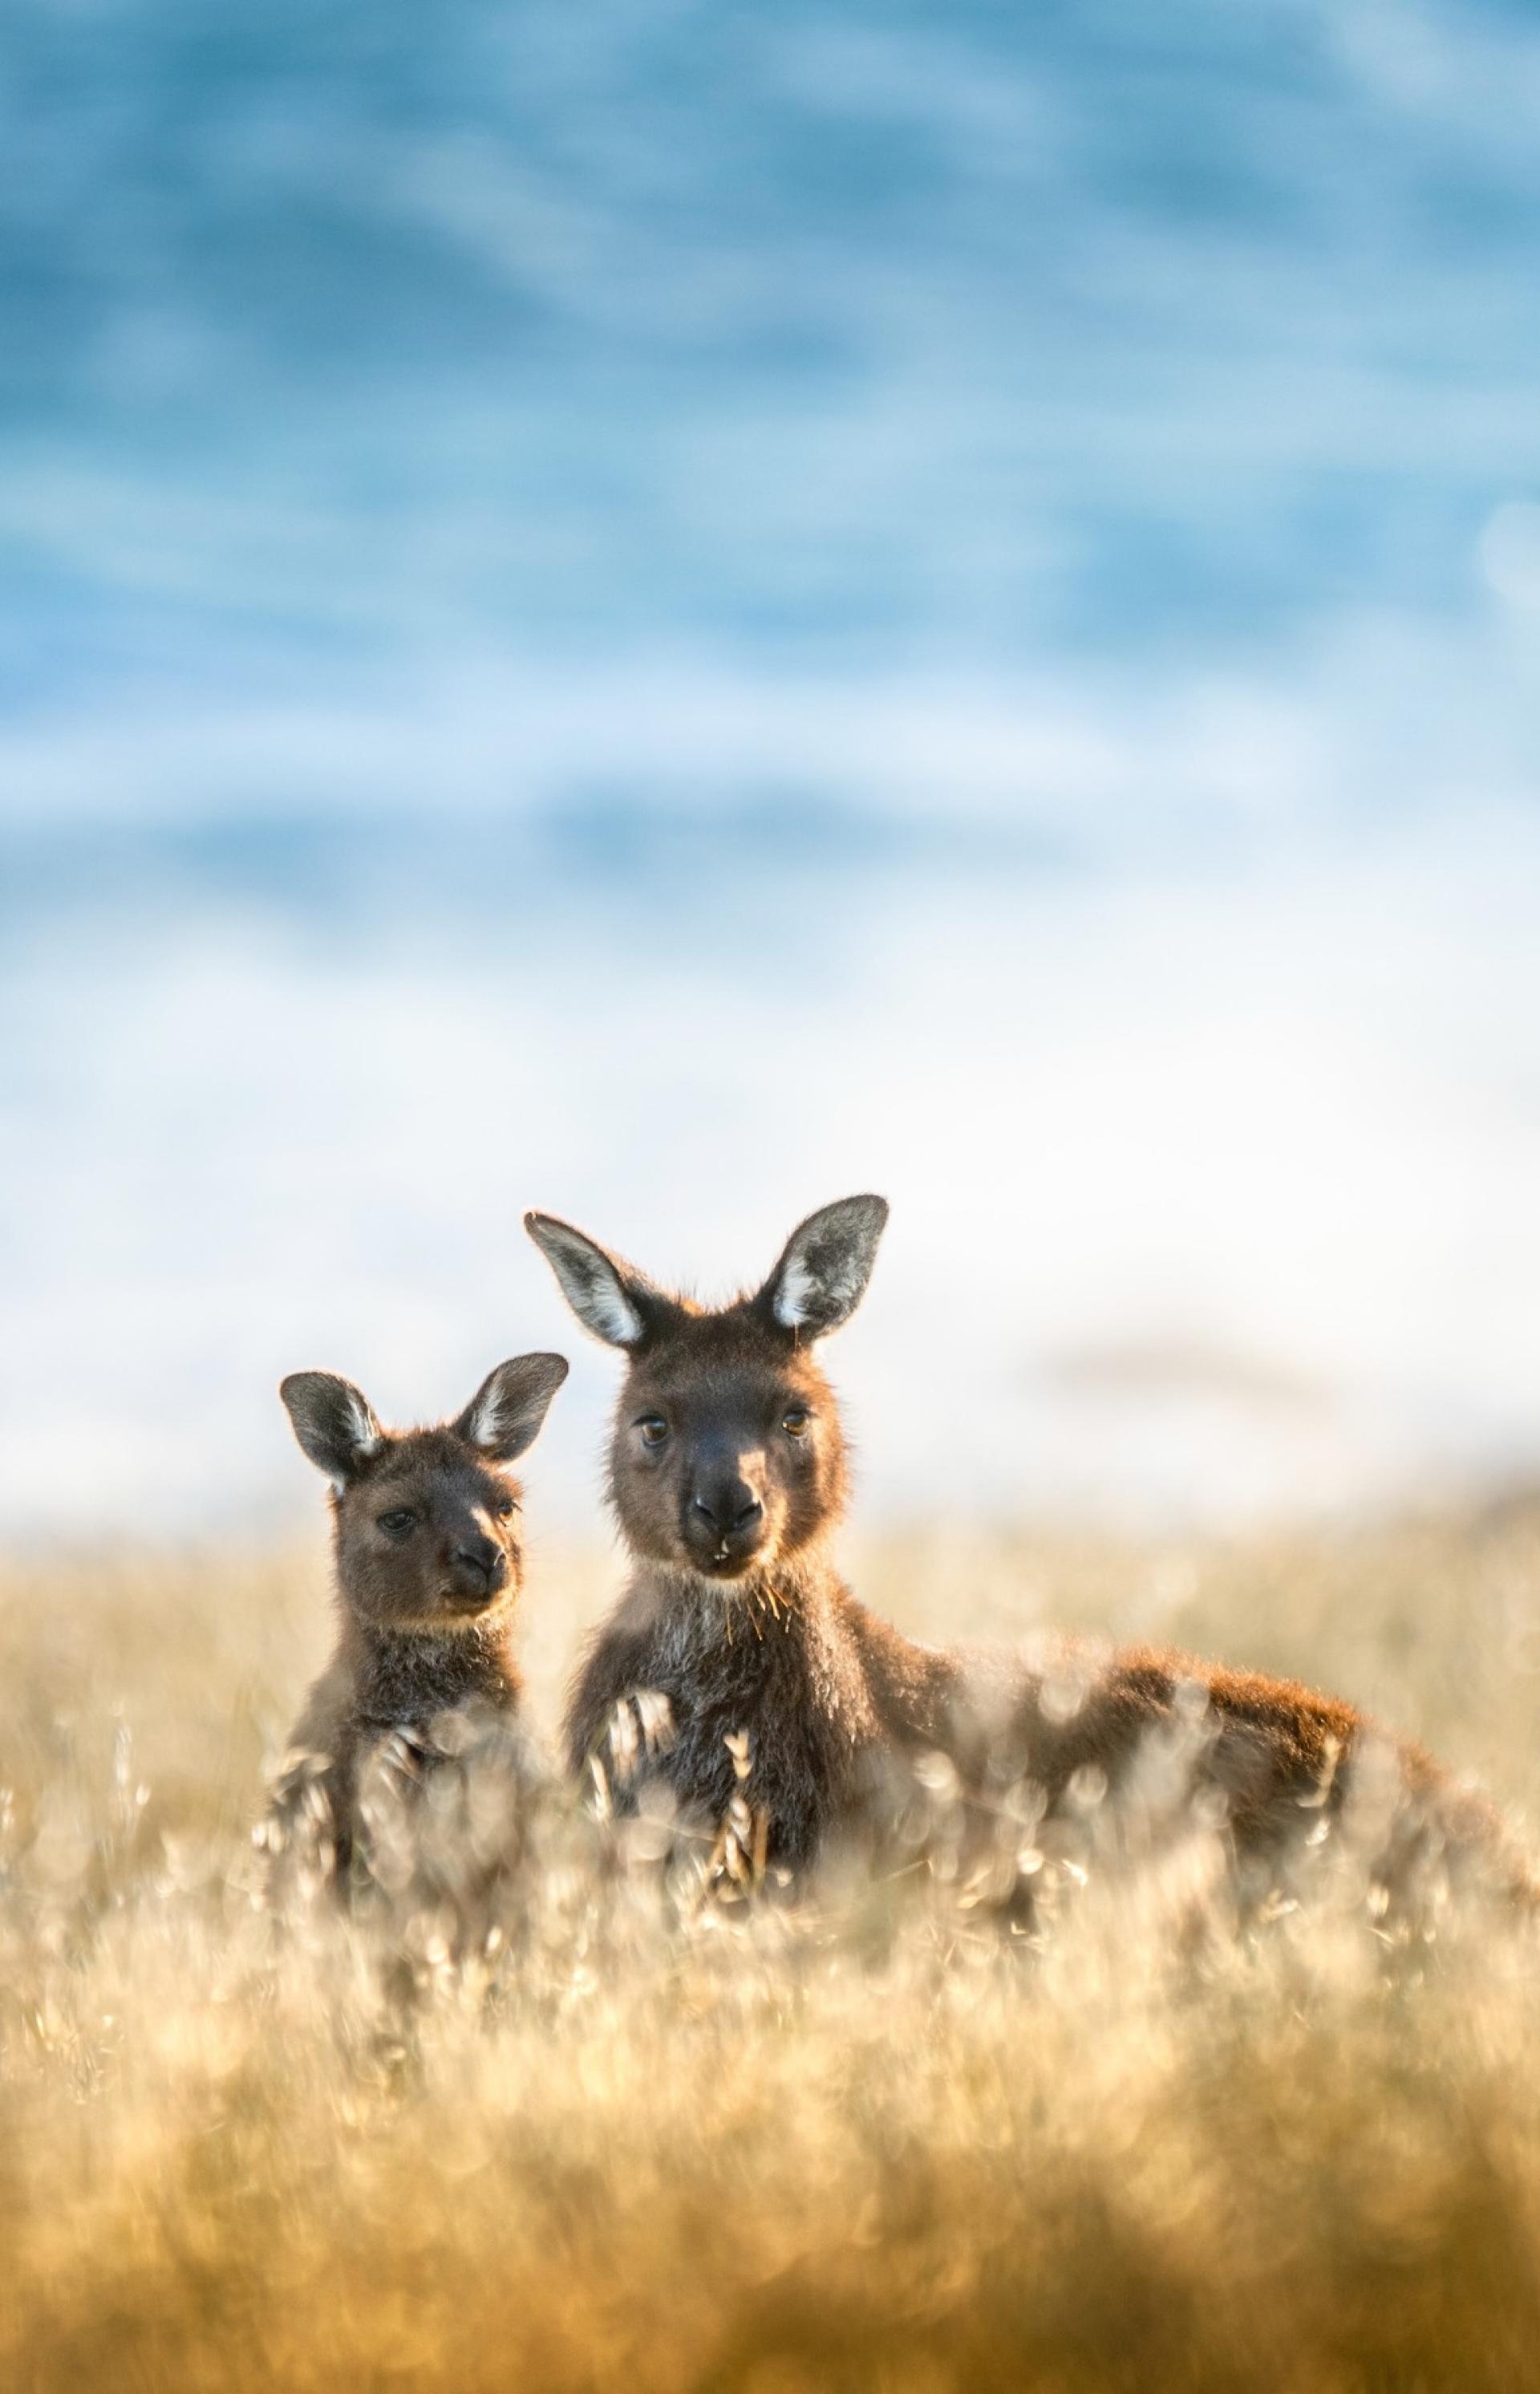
x=401, y=1677
x=788, y=1600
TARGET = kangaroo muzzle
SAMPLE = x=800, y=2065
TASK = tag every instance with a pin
x=724, y=1521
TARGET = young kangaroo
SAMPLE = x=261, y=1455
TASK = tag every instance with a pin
x=727, y=1472
x=429, y=1568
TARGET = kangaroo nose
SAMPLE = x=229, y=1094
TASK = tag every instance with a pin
x=729, y=1508
x=723, y=1523
x=478, y=1555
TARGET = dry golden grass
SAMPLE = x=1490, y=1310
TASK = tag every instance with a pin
x=874, y=2146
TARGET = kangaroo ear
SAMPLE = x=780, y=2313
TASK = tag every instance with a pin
x=505, y=1415
x=609, y=1297
x=334, y=1422
x=824, y=1268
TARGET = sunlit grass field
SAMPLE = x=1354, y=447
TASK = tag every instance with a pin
x=670, y=2143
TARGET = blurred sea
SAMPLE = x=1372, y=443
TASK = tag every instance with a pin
x=670, y=610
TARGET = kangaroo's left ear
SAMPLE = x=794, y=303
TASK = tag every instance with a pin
x=505, y=1415
x=824, y=1268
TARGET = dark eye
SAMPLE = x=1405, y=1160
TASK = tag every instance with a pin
x=508, y=1505
x=399, y=1524
x=794, y=1420
x=653, y=1428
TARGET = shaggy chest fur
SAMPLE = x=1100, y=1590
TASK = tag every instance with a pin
x=778, y=1667
x=380, y=1712
x=399, y=1682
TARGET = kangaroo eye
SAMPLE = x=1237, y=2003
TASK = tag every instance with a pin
x=508, y=1505
x=397, y=1525
x=653, y=1428
x=794, y=1420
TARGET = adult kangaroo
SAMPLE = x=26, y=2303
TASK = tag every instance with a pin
x=727, y=1475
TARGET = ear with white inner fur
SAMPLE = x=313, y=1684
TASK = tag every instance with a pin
x=505, y=1416
x=334, y=1422
x=609, y=1297
x=824, y=1268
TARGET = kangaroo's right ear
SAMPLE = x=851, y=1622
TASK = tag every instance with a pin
x=611, y=1299
x=334, y=1422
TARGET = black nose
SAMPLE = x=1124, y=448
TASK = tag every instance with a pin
x=480, y=1558
x=727, y=1509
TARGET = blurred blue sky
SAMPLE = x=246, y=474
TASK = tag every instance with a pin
x=667, y=611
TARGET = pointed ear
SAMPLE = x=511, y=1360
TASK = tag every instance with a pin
x=823, y=1273
x=610, y=1298
x=505, y=1415
x=334, y=1422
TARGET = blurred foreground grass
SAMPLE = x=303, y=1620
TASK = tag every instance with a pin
x=872, y=2145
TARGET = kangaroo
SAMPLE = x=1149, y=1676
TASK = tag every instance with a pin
x=728, y=1474
x=429, y=1568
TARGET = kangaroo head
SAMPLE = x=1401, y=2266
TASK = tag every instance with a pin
x=426, y=1520
x=727, y=1455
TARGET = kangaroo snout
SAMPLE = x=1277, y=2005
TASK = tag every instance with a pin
x=724, y=1519
x=477, y=1570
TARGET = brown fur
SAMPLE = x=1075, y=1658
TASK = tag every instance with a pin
x=762, y=1641
x=429, y=1567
